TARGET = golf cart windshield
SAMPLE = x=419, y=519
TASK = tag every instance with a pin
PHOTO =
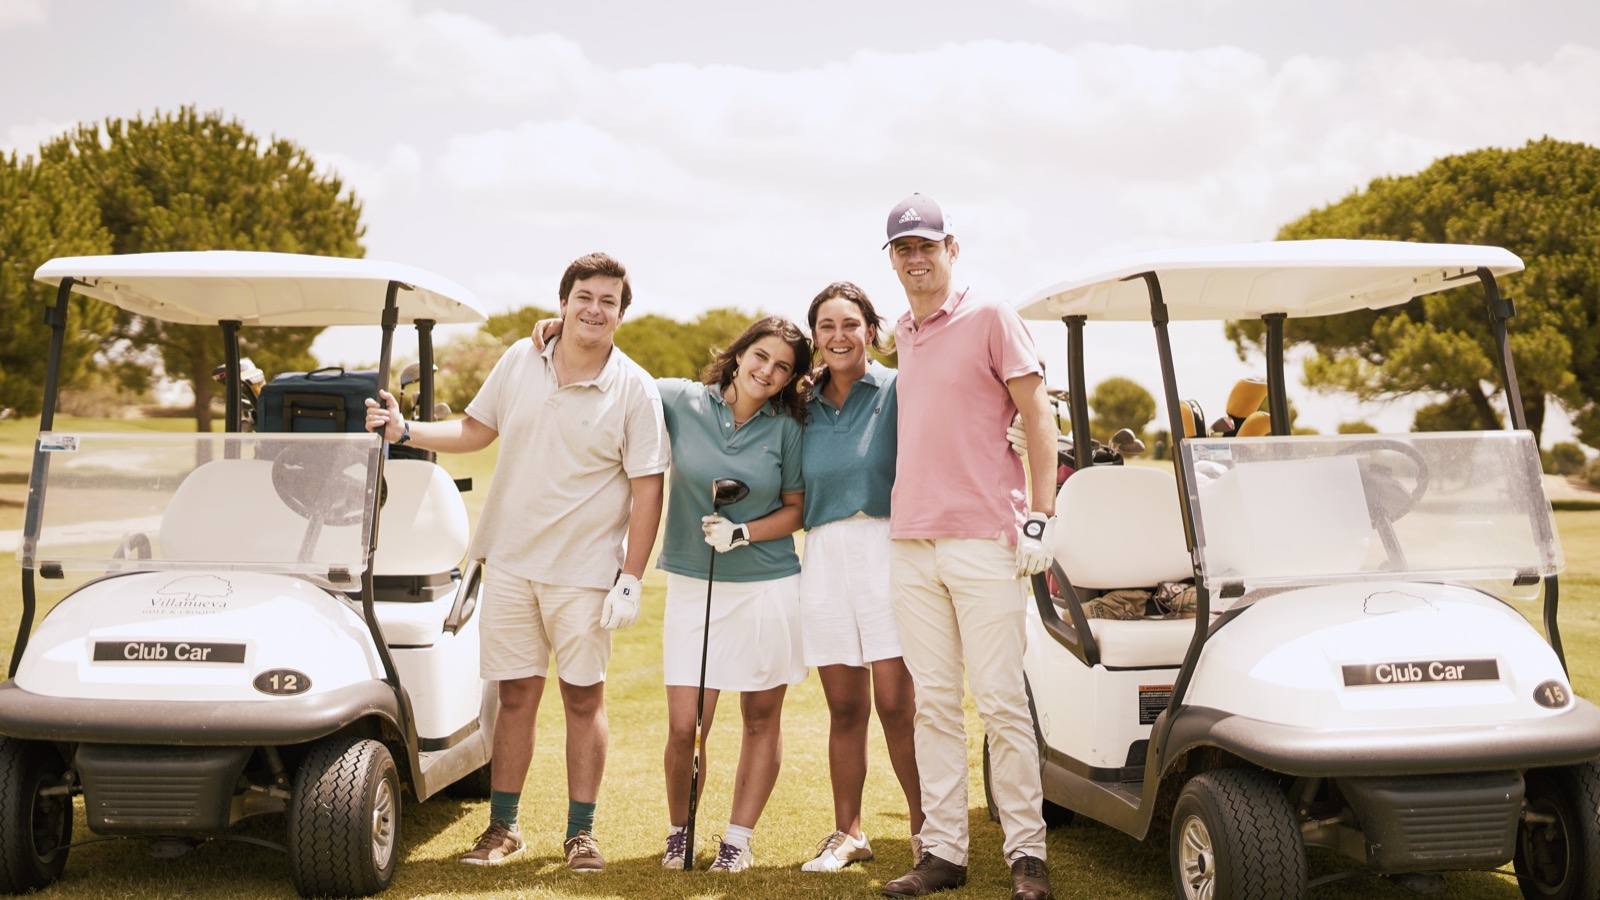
x=294, y=504
x=1277, y=511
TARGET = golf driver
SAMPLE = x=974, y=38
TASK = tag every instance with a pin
x=724, y=491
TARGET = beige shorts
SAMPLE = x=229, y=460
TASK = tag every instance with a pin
x=525, y=623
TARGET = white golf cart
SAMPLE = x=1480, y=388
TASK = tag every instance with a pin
x=245, y=643
x=1353, y=676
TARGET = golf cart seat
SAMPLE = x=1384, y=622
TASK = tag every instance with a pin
x=1119, y=527
x=423, y=526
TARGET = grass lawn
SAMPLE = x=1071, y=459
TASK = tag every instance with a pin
x=1086, y=860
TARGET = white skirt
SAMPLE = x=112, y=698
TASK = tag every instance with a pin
x=755, y=634
x=846, y=606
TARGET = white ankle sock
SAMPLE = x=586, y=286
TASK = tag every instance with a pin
x=739, y=836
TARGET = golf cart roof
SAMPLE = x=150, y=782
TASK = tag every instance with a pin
x=1246, y=281
x=263, y=289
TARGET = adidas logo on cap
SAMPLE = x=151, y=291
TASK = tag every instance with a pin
x=909, y=215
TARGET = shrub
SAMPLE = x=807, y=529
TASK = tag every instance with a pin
x=1591, y=473
x=1568, y=458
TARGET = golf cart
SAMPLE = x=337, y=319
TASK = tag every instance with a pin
x=245, y=644
x=1353, y=674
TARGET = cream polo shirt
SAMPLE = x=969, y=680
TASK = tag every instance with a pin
x=557, y=511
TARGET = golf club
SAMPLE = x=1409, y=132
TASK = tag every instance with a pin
x=724, y=491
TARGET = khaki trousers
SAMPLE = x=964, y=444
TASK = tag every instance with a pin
x=960, y=601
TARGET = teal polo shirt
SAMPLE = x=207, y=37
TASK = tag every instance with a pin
x=848, y=458
x=764, y=453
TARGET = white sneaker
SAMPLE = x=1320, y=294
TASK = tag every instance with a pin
x=916, y=849
x=838, y=850
x=677, y=844
x=731, y=858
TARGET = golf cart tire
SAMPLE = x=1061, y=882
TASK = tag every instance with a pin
x=334, y=817
x=1252, y=831
x=474, y=786
x=26, y=817
x=1571, y=794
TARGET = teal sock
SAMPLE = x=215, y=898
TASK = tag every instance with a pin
x=580, y=817
x=503, y=807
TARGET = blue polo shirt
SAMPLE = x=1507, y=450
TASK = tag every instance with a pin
x=849, y=455
x=764, y=453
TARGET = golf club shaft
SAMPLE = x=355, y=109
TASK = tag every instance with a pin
x=699, y=712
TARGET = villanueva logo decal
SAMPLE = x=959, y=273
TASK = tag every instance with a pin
x=191, y=594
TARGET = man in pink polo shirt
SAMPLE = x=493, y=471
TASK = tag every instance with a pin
x=965, y=529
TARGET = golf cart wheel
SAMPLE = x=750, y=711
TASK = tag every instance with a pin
x=1234, y=835
x=344, y=820
x=1558, y=840
x=35, y=829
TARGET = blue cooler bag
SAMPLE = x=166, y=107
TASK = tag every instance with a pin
x=326, y=401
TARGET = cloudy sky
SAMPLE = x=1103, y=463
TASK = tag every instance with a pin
x=746, y=153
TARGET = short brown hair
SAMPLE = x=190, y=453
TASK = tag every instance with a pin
x=591, y=265
x=791, y=400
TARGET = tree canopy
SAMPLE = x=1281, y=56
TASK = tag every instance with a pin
x=42, y=215
x=1542, y=202
x=1117, y=403
x=198, y=181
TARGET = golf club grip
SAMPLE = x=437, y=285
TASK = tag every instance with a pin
x=699, y=714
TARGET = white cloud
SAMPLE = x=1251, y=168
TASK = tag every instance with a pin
x=15, y=13
x=725, y=184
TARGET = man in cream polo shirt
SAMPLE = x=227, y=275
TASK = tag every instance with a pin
x=580, y=470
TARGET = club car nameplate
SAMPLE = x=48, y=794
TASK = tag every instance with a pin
x=1422, y=671
x=167, y=652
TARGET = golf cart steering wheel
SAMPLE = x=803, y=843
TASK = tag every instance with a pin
x=308, y=480
x=1387, y=496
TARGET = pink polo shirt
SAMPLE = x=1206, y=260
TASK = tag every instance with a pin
x=955, y=474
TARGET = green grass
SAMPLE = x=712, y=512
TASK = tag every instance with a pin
x=1086, y=860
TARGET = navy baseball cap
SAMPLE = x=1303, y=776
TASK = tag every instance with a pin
x=916, y=216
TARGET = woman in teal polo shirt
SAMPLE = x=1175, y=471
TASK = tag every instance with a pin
x=741, y=420
x=847, y=622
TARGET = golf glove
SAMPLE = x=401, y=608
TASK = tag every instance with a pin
x=1018, y=436
x=1033, y=553
x=621, y=606
x=723, y=535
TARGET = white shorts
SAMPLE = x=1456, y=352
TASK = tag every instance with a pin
x=755, y=634
x=846, y=605
x=526, y=622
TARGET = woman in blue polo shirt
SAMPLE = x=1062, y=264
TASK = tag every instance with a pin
x=847, y=621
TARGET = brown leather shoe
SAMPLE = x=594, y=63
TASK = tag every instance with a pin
x=930, y=874
x=1029, y=879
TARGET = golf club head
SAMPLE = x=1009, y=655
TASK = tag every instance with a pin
x=725, y=491
x=1224, y=426
x=1127, y=443
x=410, y=375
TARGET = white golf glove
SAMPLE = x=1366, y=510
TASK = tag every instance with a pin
x=723, y=535
x=1033, y=553
x=1018, y=436
x=621, y=606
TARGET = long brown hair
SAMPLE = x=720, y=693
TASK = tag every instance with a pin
x=719, y=371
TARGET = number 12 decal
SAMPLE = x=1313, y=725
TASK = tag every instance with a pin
x=282, y=682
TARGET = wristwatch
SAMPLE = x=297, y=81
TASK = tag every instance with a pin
x=1033, y=528
x=405, y=436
